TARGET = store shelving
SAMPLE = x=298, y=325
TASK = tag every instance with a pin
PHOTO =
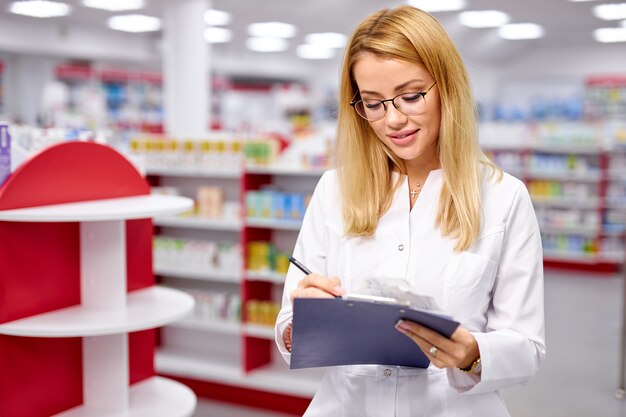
x=566, y=167
x=2, y=94
x=83, y=342
x=244, y=357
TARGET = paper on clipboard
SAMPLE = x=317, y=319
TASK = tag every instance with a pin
x=330, y=332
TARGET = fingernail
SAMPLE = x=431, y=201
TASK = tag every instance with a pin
x=339, y=290
x=402, y=325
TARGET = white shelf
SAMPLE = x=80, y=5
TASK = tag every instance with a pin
x=194, y=172
x=591, y=203
x=590, y=149
x=273, y=223
x=198, y=274
x=154, y=397
x=199, y=223
x=587, y=258
x=589, y=231
x=218, y=326
x=273, y=378
x=258, y=330
x=287, y=170
x=145, y=309
x=590, y=177
x=126, y=208
x=269, y=276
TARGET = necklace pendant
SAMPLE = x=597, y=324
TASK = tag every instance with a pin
x=413, y=194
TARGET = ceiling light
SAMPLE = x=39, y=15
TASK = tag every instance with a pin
x=326, y=39
x=615, y=11
x=272, y=30
x=214, y=17
x=610, y=35
x=267, y=44
x=40, y=8
x=516, y=31
x=135, y=23
x=438, y=5
x=484, y=19
x=314, y=52
x=217, y=35
x=114, y=5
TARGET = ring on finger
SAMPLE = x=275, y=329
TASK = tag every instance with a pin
x=433, y=350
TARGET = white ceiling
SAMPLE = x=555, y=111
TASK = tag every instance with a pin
x=566, y=23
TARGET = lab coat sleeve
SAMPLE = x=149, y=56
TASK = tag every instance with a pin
x=310, y=250
x=512, y=348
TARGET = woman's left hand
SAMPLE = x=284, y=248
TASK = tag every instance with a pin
x=459, y=351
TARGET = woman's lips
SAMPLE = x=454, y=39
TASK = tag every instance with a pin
x=404, y=137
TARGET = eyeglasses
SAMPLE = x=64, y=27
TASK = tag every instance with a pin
x=410, y=104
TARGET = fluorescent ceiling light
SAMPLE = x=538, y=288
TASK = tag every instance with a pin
x=214, y=17
x=516, y=31
x=114, y=5
x=610, y=35
x=40, y=8
x=615, y=11
x=314, y=52
x=438, y=5
x=267, y=44
x=272, y=30
x=326, y=39
x=217, y=35
x=135, y=23
x=483, y=19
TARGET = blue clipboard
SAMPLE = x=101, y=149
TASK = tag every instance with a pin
x=330, y=332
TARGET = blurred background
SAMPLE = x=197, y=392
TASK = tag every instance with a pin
x=233, y=103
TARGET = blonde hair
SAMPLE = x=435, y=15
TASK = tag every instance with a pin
x=365, y=164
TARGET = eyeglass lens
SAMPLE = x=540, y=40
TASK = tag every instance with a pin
x=410, y=104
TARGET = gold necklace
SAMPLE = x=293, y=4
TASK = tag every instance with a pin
x=414, y=193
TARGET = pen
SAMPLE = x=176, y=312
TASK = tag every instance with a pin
x=299, y=265
x=303, y=268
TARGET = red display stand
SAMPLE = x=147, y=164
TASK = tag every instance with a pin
x=43, y=264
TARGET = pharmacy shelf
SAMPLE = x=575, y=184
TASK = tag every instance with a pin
x=591, y=203
x=154, y=397
x=125, y=208
x=145, y=309
x=587, y=258
x=268, y=276
x=198, y=274
x=594, y=149
x=209, y=325
x=589, y=231
x=272, y=378
x=289, y=170
x=274, y=224
x=194, y=172
x=259, y=331
x=587, y=177
x=233, y=225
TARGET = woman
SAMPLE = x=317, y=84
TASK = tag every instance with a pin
x=414, y=198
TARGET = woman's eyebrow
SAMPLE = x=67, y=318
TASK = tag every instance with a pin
x=397, y=88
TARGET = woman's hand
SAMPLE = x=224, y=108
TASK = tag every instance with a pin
x=317, y=286
x=460, y=351
x=313, y=286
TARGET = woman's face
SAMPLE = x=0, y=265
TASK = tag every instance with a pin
x=411, y=138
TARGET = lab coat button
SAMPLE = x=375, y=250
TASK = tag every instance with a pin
x=400, y=247
x=387, y=372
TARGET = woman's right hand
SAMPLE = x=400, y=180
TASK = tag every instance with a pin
x=317, y=286
x=313, y=286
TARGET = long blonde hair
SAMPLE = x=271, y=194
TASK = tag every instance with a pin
x=365, y=164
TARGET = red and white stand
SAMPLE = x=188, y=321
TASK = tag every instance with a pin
x=78, y=304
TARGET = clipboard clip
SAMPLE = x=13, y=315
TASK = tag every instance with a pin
x=375, y=299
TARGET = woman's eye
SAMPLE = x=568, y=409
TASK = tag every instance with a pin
x=372, y=105
x=409, y=98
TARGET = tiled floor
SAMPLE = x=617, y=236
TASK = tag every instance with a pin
x=581, y=372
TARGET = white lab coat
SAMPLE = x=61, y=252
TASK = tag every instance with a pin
x=495, y=289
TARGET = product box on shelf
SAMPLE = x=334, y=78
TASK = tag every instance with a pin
x=5, y=152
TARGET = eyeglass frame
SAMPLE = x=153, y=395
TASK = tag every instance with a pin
x=353, y=103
